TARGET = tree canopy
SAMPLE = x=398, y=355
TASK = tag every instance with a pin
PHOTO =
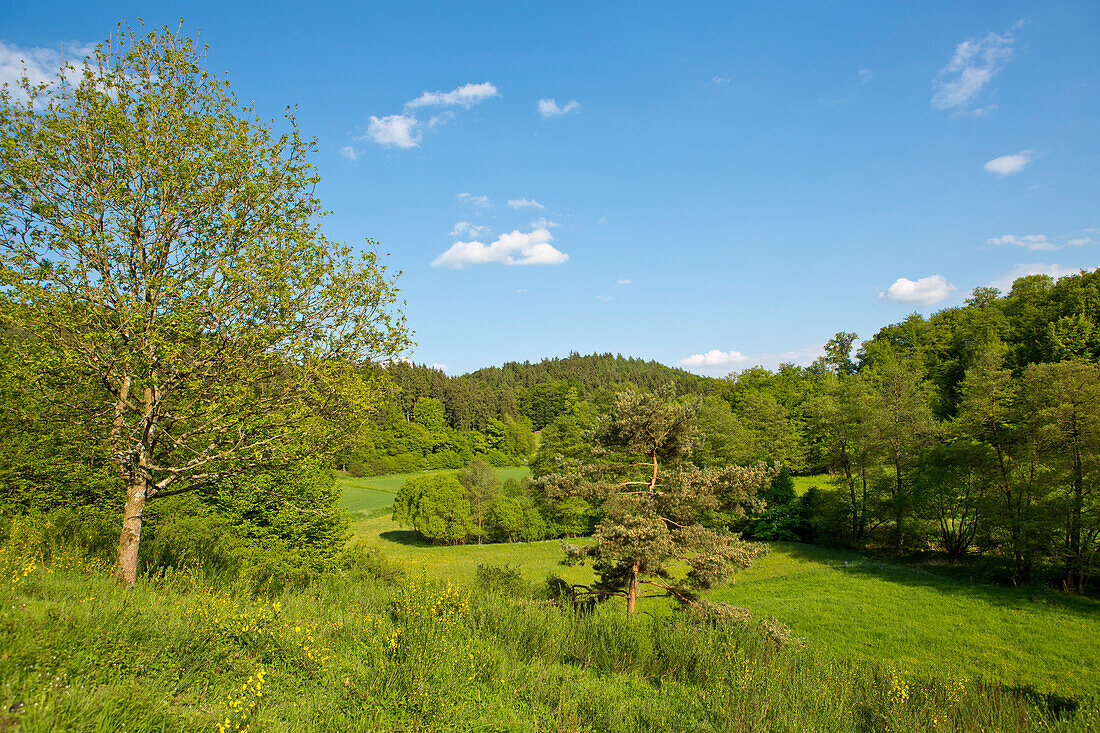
x=160, y=243
x=655, y=502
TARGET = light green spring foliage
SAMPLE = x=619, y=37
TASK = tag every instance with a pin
x=161, y=240
x=434, y=505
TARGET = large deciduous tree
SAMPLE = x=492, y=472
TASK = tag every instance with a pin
x=901, y=417
x=654, y=500
x=161, y=241
x=1063, y=401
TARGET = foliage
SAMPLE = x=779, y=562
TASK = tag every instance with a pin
x=653, y=515
x=160, y=246
x=434, y=505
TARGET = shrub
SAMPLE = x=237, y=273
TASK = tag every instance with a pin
x=505, y=580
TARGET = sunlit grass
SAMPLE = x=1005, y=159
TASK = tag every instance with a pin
x=846, y=606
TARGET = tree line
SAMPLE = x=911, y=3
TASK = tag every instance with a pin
x=974, y=432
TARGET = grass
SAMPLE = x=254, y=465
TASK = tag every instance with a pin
x=844, y=604
x=373, y=495
x=847, y=607
x=802, y=484
x=377, y=651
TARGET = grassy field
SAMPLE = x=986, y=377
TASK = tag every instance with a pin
x=371, y=495
x=844, y=605
x=364, y=651
x=802, y=484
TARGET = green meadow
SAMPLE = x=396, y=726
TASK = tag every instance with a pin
x=841, y=604
x=371, y=494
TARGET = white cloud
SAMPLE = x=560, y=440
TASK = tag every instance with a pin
x=1034, y=242
x=549, y=108
x=717, y=363
x=623, y=282
x=973, y=65
x=925, y=291
x=543, y=223
x=1009, y=164
x=713, y=358
x=604, y=298
x=349, y=152
x=720, y=80
x=40, y=65
x=464, y=96
x=440, y=119
x=866, y=76
x=405, y=130
x=481, y=202
x=439, y=367
x=465, y=228
x=524, y=203
x=1004, y=283
x=397, y=130
x=517, y=248
x=1038, y=242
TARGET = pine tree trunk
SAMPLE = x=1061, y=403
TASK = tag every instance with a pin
x=632, y=593
x=126, y=570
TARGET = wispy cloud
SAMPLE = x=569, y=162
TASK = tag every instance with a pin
x=1004, y=283
x=720, y=80
x=516, y=248
x=405, y=130
x=717, y=362
x=1038, y=242
x=525, y=203
x=40, y=65
x=604, y=298
x=465, y=228
x=623, y=282
x=925, y=291
x=549, y=108
x=973, y=65
x=349, y=152
x=482, y=202
x=866, y=76
x=464, y=96
x=1009, y=164
x=543, y=223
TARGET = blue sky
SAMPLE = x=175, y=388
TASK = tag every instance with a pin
x=710, y=185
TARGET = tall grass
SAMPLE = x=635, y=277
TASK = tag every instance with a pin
x=374, y=649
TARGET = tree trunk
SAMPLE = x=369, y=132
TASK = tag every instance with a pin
x=632, y=593
x=898, y=509
x=126, y=570
x=1075, y=574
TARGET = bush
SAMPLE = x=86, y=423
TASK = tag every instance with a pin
x=505, y=580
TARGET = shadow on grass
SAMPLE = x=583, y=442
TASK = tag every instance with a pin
x=1025, y=597
x=406, y=537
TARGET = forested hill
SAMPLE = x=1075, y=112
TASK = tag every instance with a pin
x=537, y=391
